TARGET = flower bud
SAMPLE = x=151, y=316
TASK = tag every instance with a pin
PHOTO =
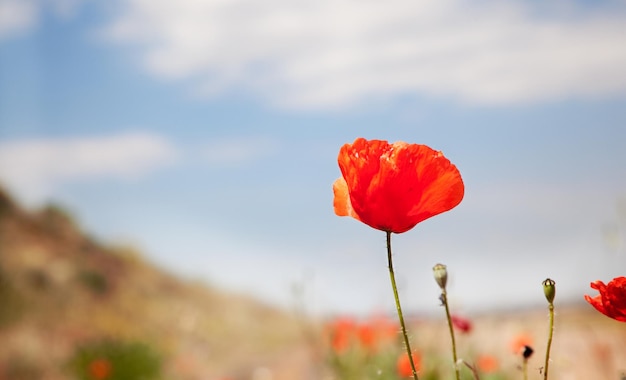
x=527, y=352
x=441, y=275
x=549, y=289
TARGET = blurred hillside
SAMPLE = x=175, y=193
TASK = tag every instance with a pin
x=62, y=292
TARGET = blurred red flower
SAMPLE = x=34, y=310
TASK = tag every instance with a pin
x=99, y=369
x=612, y=298
x=464, y=325
x=346, y=332
x=520, y=342
x=377, y=332
x=403, y=365
x=367, y=335
x=342, y=332
x=487, y=363
x=393, y=187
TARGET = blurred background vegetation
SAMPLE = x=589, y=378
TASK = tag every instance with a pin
x=75, y=308
x=68, y=300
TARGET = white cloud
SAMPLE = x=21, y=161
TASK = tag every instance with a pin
x=331, y=53
x=65, y=8
x=21, y=16
x=16, y=16
x=33, y=168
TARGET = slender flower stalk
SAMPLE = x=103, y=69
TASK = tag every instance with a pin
x=545, y=373
x=398, y=307
x=444, y=299
x=473, y=369
x=441, y=276
x=525, y=368
x=527, y=352
x=549, y=290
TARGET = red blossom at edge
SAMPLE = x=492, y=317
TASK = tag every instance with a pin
x=612, y=298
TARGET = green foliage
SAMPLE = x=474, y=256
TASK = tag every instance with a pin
x=122, y=361
x=11, y=303
x=497, y=376
x=55, y=217
x=357, y=364
x=94, y=281
x=6, y=204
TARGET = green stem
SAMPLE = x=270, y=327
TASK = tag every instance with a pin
x=473, y=369
x=444, y=300
x=551, y=331
x=398, y=308
x=525, y=369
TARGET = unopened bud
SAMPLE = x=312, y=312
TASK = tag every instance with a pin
x=441, y=275
x=527, y=352
x=549, y=289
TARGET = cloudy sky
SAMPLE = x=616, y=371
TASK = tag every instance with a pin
x=206, y=133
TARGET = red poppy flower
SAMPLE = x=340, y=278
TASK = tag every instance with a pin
x=612, y=298
x=487, y=363
x=342, y=331
x=464, y=325
x=393, y=187
x=377, y=332
x=100, y=369
x=403, y=365
x=520, y=342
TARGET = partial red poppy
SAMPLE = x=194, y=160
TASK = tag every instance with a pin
x=99, y=369
x=367, y=336
x=403, y=365
x=487, y=363
x=342, y=331
x=393, y=187
x=520, y=343
x=612, y=298
x=377, y=332
x=464, y=325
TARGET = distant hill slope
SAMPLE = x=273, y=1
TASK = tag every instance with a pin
x=60, y=289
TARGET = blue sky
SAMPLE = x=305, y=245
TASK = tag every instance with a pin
x=205, y=133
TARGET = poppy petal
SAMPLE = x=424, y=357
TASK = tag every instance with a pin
x=612, y=298
x=341, y=202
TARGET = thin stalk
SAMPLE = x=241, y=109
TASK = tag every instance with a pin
x=473, y=369
x=392, y=276
x=444, y=300
x=551, y=331
x=525, y=368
